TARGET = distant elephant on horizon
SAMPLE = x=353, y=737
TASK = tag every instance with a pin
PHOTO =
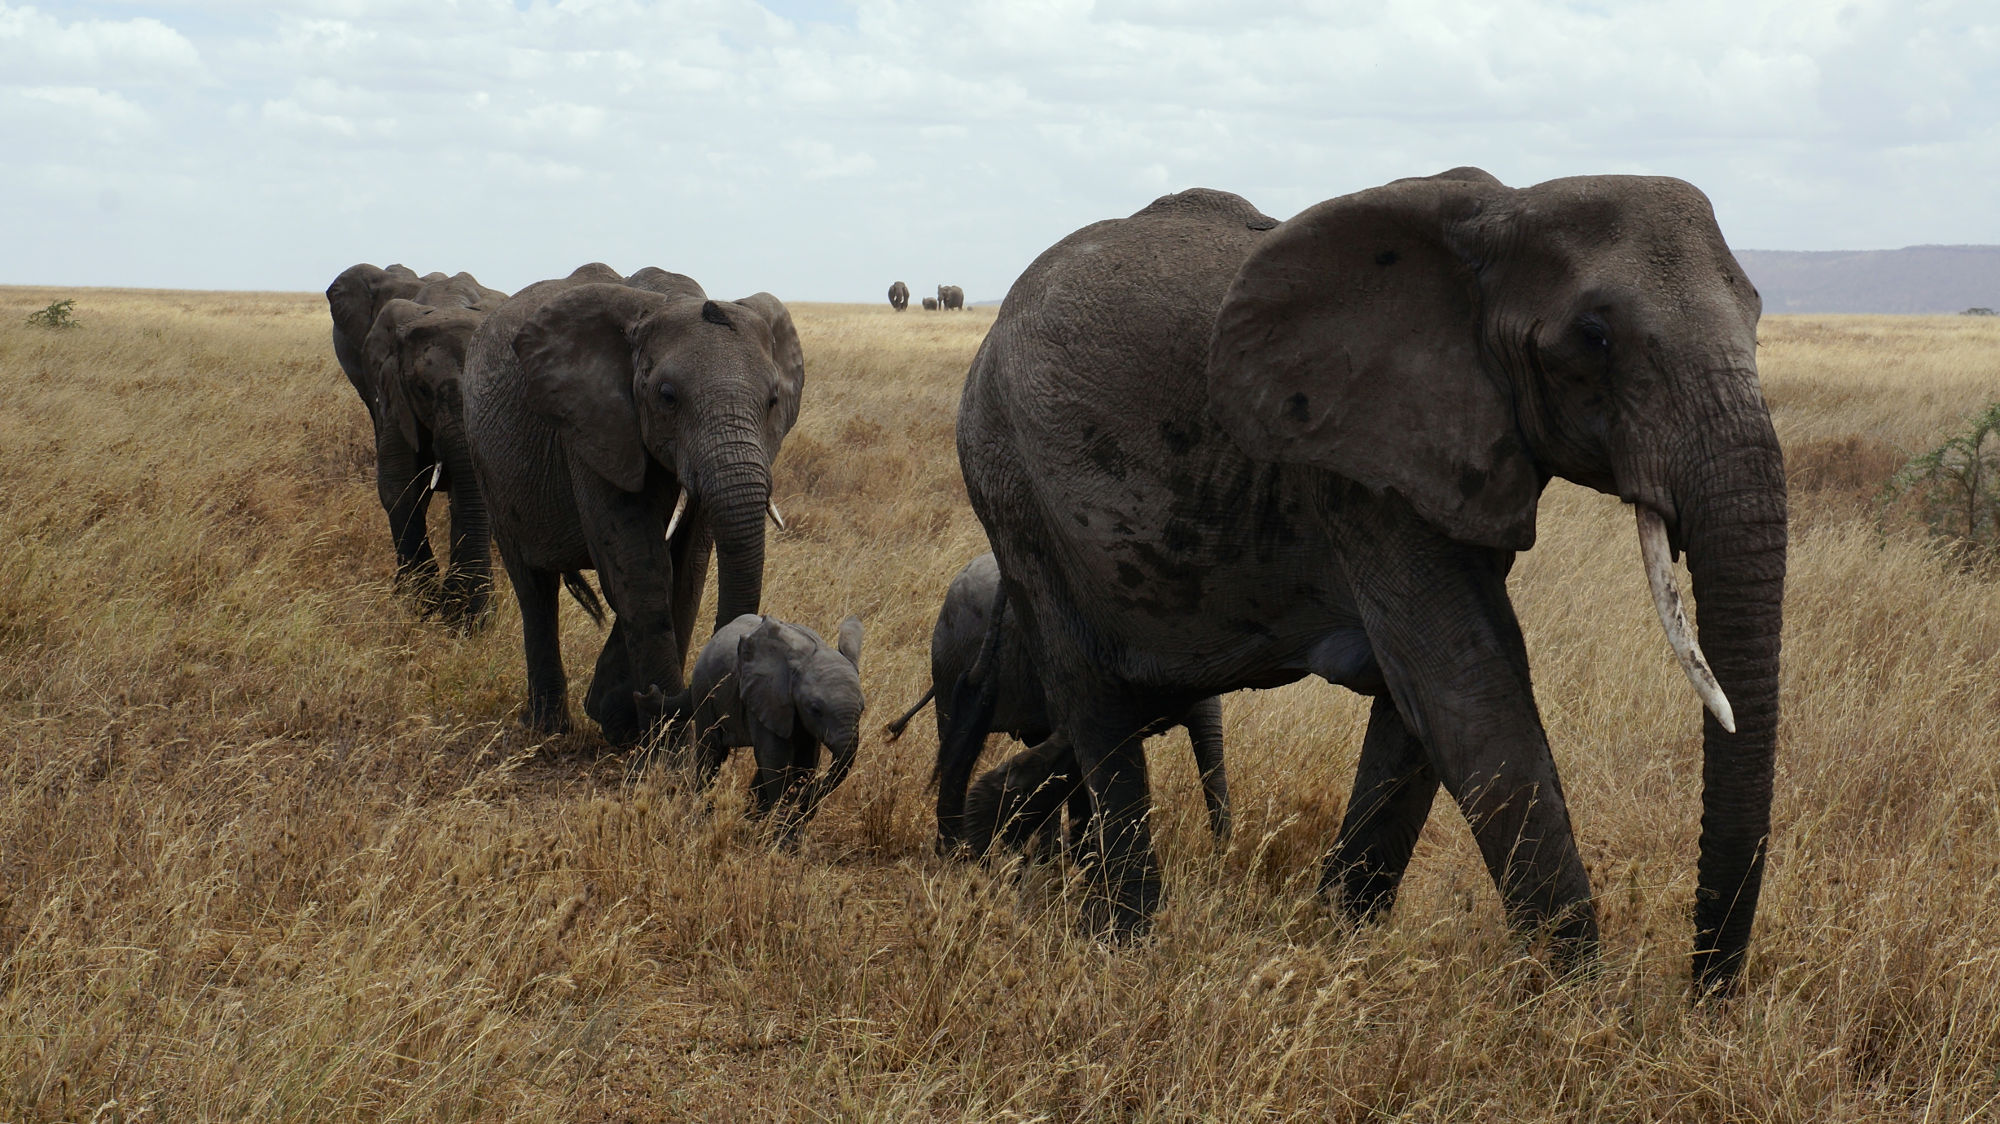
x=899, y=296
x=628, y=425
x=930, y=304
x=999, y=808
x=951, y=298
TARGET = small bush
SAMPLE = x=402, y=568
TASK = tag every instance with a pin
x=1955, y=488
x=56, y=316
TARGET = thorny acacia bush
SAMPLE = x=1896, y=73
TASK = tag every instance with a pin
x=271, y=847
x=1955, y=488
x=59, y=315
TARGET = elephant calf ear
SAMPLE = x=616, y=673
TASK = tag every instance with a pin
x=764, y=676
x=1350, y=340
x=785, y=350
x=576, y=356
x=850, y=641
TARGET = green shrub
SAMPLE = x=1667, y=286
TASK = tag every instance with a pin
x=56, y=316
x=1955, y=488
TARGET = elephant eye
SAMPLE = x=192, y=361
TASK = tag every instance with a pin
x=773, y=403
x=1594, y=333
x=667, y=394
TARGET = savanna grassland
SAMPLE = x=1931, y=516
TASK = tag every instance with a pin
x=271, y=847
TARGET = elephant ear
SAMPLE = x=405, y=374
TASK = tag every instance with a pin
x=850, y=641
x=785, y=351
x=387, y=360
x=576, y=360
x=436, y=330
x=1350, y=340
x=764, y=676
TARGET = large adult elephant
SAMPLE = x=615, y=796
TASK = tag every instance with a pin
x=407, y=462
x=951, y=298
x=899, y=296
x=414, y=356
x=627, y=425
x=1213, y=451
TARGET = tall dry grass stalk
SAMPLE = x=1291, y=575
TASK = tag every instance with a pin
x=271, y=847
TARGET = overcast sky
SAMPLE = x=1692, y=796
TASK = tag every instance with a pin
x=821, y=149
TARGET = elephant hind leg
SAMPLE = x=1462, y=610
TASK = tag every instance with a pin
x=1393, y=790
x=1021, y=797
x=541, y=640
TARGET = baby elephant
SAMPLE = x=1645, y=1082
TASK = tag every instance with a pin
x=785, y=692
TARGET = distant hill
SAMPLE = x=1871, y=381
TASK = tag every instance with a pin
x=1912, y=279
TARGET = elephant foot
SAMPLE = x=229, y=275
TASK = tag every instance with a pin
x=548, y=723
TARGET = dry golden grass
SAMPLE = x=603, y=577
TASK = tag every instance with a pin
x=272, y=848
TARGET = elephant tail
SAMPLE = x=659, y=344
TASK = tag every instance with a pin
x=973, y=699
x=585, y=596
x=896, y=728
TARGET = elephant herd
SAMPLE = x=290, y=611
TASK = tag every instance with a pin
x=950, y=298
x=1211, y=451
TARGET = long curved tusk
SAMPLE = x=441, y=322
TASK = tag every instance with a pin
x=680, y=509
x=771, y=509
x=1658, y=558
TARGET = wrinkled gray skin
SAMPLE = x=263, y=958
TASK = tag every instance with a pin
x=415, y=356
x=1407, y=367
x=1001, y=808
x=899, y=296
x=782, y=690
x=405, y=456
x=930, y=304
x=950, y=298
x=591, y=402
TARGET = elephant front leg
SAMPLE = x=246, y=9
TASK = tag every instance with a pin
x=628, y=546
x=1204, y=727
x=1393, y=789
x=1440, y=624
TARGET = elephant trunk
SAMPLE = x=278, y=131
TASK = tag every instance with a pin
x=1733, y=528
x=841, y=751
x=735, y=492
x=468, y=585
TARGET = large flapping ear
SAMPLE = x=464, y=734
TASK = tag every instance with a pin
x=359, y=293
x=386, y=359
x=850, y=641
x=445, y=331
x=576, y=355
x=1349, y=340
x=785, y=350
x=764, y=675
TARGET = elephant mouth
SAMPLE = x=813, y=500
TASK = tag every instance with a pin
x=1657, y=556
x=681, y=506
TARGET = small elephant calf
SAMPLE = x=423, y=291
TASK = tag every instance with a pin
x=782, y=690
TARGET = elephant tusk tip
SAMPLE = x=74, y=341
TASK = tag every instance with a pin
x=771, y=509
x=680, y=509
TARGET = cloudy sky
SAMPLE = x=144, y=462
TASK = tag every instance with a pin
x=822, y=148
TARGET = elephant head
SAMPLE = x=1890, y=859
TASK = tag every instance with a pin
x=788, y=679
x=460, y=290
x=639, y=380
x=417, y=354
x=354, y=299
x=1458, y=342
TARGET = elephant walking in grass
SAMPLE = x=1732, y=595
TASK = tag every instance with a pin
x=1213, y=451
x=930, y=304
x=628, y=425
x=782, y=690
x=899, y=296
x=1002, y=807
x=405, y=363
x=951, y=298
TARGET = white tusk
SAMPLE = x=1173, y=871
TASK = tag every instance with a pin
x=1658, y=558
x=680, y=509
x=771, y=509
x=437, y=474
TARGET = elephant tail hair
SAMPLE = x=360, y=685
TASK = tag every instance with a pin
x=895, y=729
x=585, y=596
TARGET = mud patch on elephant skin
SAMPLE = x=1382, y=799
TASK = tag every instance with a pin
x=1108, y=456
x=1179, y=436
x=1296, y=408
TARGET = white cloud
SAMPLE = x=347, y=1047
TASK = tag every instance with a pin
x=814, y=148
